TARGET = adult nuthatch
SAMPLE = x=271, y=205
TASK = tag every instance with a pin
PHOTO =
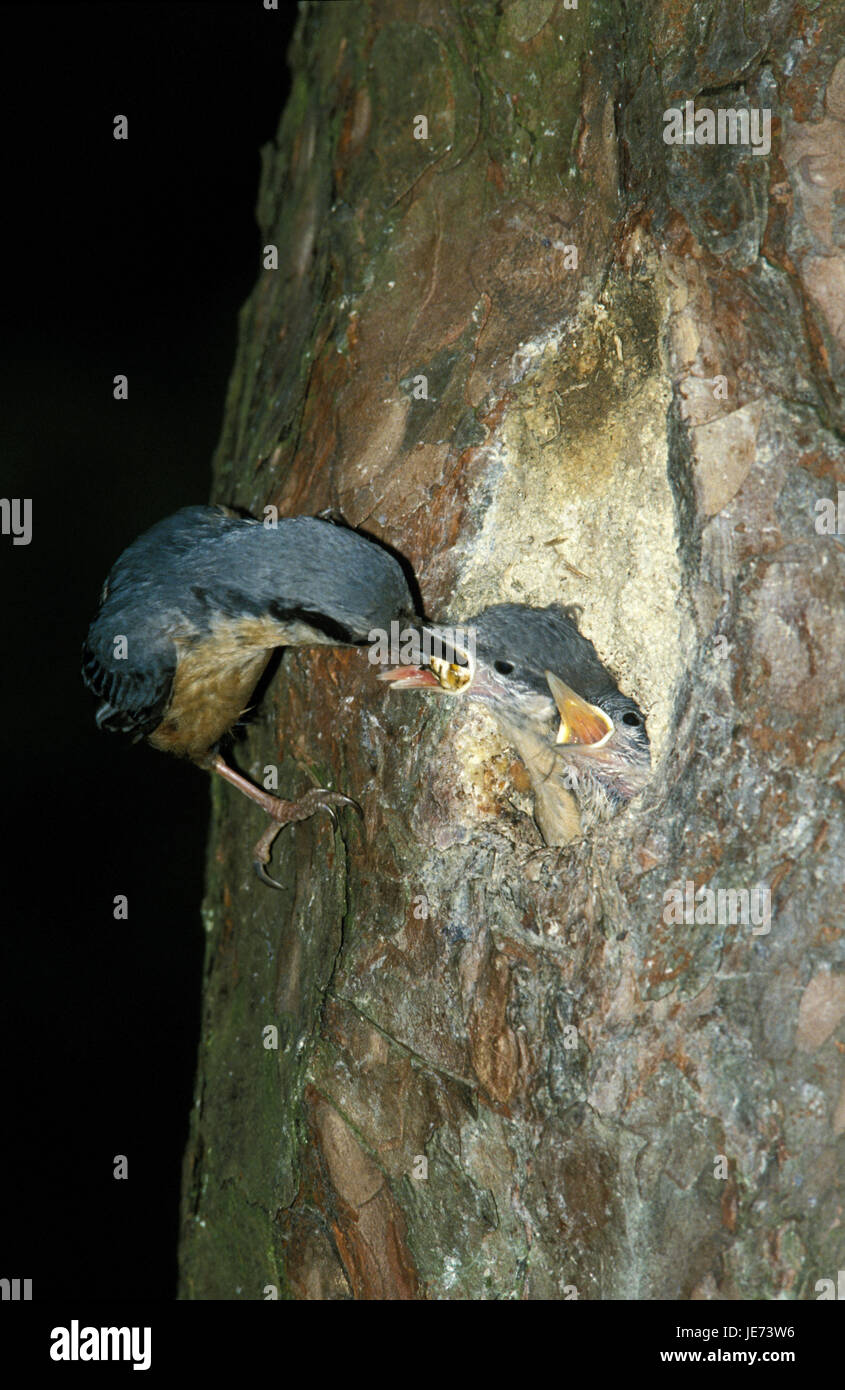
x=191, y=612
x=583, y=742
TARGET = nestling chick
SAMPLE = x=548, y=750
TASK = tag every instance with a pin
x=583, y=742
x=192, y=610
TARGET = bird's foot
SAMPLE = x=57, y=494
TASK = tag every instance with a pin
x=280, y=812
x=285, y=813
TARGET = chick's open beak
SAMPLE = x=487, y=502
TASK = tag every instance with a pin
x=580, y=722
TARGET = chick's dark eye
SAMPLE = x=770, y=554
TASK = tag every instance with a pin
x=630, y=718
x=504, y=668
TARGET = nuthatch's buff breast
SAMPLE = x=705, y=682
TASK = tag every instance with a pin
x=214, y=677
x=192, y=610
x=583, y=742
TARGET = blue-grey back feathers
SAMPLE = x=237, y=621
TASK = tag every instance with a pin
x=203, y=566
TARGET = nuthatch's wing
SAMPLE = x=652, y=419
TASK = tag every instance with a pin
x=133, y=695
x=196, y=604
x=192, y=610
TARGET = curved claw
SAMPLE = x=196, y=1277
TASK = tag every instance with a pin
x=338, y=798
x=264, y=876
x=262, y=849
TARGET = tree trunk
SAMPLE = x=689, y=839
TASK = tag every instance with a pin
x=506, y=1070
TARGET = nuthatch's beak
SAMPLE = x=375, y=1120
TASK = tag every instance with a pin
x=452, y=673
x=580, y=722
x=410, y=678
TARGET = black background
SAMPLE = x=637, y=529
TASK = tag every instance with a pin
x=130, y=257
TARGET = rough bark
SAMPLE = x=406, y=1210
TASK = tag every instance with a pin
x=570, y=1066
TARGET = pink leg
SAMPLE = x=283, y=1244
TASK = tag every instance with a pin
x=281, y=812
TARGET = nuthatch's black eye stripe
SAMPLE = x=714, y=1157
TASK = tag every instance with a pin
x=320, y=622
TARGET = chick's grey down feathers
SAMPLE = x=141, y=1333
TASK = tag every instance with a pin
x=515, y=649
x=516, y=645
x=536, y=640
